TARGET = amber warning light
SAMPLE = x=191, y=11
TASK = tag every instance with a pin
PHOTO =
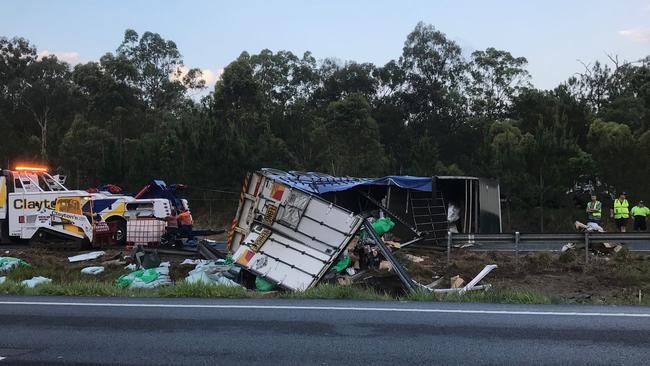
x=31, y=168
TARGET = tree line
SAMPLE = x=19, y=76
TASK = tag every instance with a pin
x=433, y=110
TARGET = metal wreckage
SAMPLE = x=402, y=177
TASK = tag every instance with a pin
x=295, y=230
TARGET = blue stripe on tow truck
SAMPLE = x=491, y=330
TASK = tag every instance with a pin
x=99, y=205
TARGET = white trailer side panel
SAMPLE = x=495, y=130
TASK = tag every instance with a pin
x=294, y=237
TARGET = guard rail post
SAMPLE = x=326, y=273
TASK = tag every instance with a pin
x=586, y=250
x=448, y=247
x=517, y=248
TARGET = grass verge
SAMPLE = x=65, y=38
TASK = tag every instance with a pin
x=490, y=296
x=328, y=291
x=93, y=288
x=325, y=291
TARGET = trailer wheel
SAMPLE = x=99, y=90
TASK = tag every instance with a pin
x=120, y=232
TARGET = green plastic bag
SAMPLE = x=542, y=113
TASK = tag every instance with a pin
x=341, y=265
x=145, y=275
x=382, y=226
x=9, y=263
x=263, y=285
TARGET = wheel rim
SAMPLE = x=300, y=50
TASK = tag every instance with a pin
x=119, y=234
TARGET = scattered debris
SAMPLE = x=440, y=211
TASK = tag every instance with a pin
x=216, y=272
x=589, y=227
x=344, y=280
x=598, y=248
x=607, y=248
x=413, y=258
x=145, y=278
x=3, y=279
x=457, y=282
x=385, y=266
x=471, y=286
x=35, y=281
x=413, y=241
x=453, y=216
x=114, y=262
x=263, y=285
x=145, y=259
x=464, y=245
x=192, y=262
x=219, y=245
x=93, y=270
x=179, y=252
x=436, y=283
x=9, y=263
x=342, y=264
x=568, y=246
x=86, y=256
x=209, y=252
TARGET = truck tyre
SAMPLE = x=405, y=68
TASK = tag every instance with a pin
x=120, y=233
x=4, y=232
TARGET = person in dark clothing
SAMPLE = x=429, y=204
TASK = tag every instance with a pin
x=640, y=213
x=171, y=229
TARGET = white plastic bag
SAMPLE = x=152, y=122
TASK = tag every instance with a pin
x=35, y=281
x=453, y=213
x=94, y=270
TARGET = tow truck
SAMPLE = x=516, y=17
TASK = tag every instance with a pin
x=28, y=196
x=74, y=225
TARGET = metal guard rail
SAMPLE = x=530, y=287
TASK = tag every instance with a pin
x=518, y=238
x=527, y=237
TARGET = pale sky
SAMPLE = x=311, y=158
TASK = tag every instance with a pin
x=551, y=34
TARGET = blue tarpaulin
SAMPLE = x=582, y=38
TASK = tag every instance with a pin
x=319, y=183
x=158, y=189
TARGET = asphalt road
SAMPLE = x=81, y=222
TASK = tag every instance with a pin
x=103, y=331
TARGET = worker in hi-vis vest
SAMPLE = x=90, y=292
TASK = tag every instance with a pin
x=621, y=212
x=594, y=209
x=640, y=214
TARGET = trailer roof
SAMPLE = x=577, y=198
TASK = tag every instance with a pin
x=319, y=183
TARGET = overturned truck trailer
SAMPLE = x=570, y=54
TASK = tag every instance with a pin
x=286, y=235
x=291, y=227
x=419, y=205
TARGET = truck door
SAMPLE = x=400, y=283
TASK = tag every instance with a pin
x=490, y=206
x=15, y=208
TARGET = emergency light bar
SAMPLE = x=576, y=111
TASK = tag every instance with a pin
x=31, y=168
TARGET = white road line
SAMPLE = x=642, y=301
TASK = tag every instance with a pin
x=327, y=308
